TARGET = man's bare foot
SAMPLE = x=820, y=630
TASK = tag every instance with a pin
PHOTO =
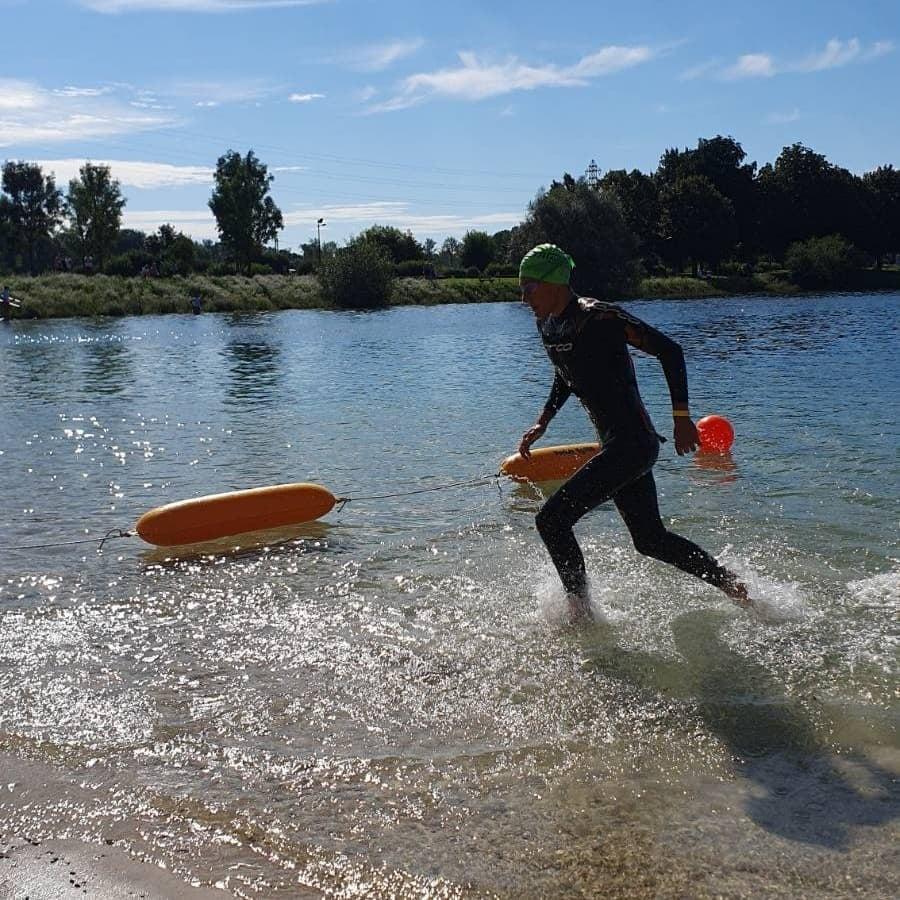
x=737, y=591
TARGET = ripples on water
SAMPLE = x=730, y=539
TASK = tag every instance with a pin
x=386, y=702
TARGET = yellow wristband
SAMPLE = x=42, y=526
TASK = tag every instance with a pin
x=681, y=412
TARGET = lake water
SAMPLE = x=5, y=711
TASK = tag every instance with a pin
x=388, y=702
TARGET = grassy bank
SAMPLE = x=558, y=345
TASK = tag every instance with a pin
x=59, y=296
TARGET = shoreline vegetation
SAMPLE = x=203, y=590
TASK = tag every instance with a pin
x=70, y=296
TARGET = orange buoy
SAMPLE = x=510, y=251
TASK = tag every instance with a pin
x=716, y=434
x=549, y=463
x=222, y=515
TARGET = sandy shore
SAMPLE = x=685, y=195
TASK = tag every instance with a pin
x=54, y=869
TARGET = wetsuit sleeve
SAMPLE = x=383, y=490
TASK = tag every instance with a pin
x=559, y=393
x=644, y=337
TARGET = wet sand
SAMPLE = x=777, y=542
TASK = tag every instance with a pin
x=49, y=870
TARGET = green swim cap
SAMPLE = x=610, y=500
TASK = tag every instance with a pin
x=547, y=262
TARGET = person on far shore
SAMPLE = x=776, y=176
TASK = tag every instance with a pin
x=588, y=344
x=196, y=304
x=5, y=304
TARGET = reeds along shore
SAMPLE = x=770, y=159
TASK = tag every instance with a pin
x=67, y=295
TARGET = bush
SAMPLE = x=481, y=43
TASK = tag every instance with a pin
x=128, y=264
x=473, y=272
x=455, y=273
x=734, y=267
x=260, y=269
x=822, y=262
x=360, y=276
x=502, y=270
x=120, y=265
x=414, y=268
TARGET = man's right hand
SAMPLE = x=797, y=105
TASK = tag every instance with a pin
x=529, y=438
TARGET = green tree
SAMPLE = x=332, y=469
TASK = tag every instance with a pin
x=7, y=234
x=721, y=160
x=358, y=276
x=34, y=208
x=429, y=246
x=128, y=240
x=477, y=250
x=883, y=188
x=246, y=216
x=173, y=251
x=638, y=196
x=399, y=246
x=591, y=228
x=94, y=208
x=803, y=195
x=501, y=241
x=450, y=250
x=697, y=224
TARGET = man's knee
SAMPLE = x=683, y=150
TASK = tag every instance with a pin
x=552, y=518
x=649, y=542
x=546, y=523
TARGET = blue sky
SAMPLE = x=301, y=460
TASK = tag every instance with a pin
x=432, y=117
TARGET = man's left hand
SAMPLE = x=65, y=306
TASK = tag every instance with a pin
x=686, y=437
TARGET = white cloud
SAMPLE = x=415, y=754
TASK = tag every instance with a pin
x=611, y=59
x=751, y=65
x=477, y=80
x=215, y=93
x=211, y=6
x=19, y=95
x=31, y=114
x=879, y=48
x=200, y=224
x=71, y=91
x=365, y=94
x=378, y=57
x=783, y=118
x=305, y=98
x=132, y=172
x=836, y=54
x=390, y=212
x=699, y=70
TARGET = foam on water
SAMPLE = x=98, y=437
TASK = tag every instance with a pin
x=882, y=590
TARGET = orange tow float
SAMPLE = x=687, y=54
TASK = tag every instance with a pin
x=222, y=515
x=549, y=463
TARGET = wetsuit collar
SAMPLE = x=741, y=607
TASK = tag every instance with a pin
x=570, y=307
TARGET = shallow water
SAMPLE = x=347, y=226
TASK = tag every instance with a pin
x=388, y=702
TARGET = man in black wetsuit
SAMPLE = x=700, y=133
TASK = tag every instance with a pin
x=587, y=342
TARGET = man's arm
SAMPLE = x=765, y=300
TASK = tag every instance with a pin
x=559, y=393
x=644, y=337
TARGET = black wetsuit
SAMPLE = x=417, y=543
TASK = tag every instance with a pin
x=588, y=346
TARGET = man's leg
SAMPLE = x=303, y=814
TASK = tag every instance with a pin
x=638, y=505
x=594, y=483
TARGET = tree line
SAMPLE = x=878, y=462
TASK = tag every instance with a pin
x=704, y=209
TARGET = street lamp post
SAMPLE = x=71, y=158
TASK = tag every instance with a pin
x=320, y=224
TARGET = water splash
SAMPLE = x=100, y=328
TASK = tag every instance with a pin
x=775, y=600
